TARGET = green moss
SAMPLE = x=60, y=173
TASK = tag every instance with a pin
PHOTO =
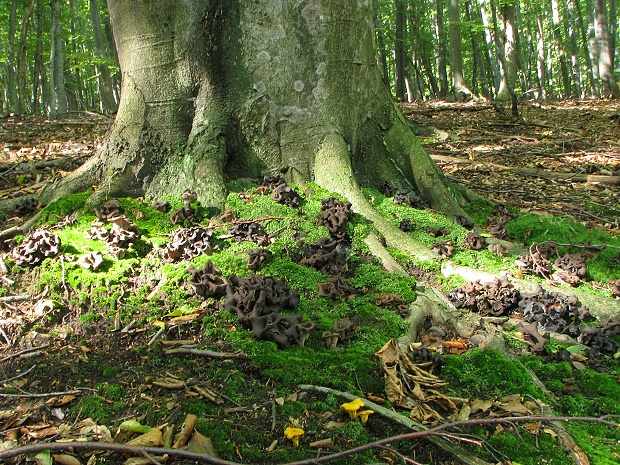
x=383, y=282
x=488, y=374
x=93, y=407
x=479, y=210
x=61, y=208
x=527, y=449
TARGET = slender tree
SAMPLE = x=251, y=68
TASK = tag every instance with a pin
x=442, y=69
x=106, y=92
x=11, y=88
x=21, y=58
x=58, y=94
x=508, y=55
x=399, y=52
x=604, y=51
x=459, y=88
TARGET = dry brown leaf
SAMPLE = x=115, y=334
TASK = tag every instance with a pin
x=200, y=444
x=57, y=402
x=209, y=395
x=478, y=405
x=65, y=459
x=334, y=424
x=322, y=444
x=515, y=408
x=153, y=438
x=167, y=382
x=186, y=430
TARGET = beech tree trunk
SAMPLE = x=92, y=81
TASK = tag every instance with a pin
x=215, y=90
x=459, y=88
x=58, y=93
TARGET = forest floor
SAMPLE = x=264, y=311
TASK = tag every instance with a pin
x=561, y=160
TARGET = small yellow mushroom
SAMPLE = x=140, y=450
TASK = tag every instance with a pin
x=363, y=416
x=293, y=434
x=352, y=407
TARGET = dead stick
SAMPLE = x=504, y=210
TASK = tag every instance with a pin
x=44, y=394
x=25, y=351
x=14, y=298
x=205, y=353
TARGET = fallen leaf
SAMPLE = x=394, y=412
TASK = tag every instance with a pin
x=151, y=439
x=322, y=444
x=133, y=426
x=200, y=444
x=168, y=382
x=334, y=424
x=272, y=446
x=65, y=459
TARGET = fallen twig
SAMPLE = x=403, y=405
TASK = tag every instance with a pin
x=14, y=298
x=25, y=351
x=44, y=394
x=21, y=375
x=205, y=353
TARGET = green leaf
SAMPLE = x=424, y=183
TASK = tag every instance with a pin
x=134, y=426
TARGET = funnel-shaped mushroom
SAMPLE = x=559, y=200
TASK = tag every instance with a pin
x=293, y=434
x=305, y=329
x=363, y=416
x=352, y=407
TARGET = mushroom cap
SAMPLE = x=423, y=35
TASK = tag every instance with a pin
x=306, y=326
x=363, y=415
x=352, y=407
x=291, y=432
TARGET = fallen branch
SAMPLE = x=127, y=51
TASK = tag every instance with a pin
x=25, y=351
x=44, y=394
x=14, y=298
x=56, y=162
x=205, y=353
x=596, y=178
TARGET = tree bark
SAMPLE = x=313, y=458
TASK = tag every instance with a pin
x=399, y=52
x=604, y=52
x=442, y=70
x=243, y=89
x=559, y=43
x=58, y=94
x=459, y=88
x=106, y=92
x=37, y=68
x=21, y=59
x=10, y=84
x=509, y=53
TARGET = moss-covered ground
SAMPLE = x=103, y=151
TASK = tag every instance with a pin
x=99, y=325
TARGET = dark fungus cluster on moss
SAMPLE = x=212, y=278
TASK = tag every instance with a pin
x=36, y=247
x=188, y=243
x=569, y=268
x=549, y=311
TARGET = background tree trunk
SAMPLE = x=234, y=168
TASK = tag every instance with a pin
x=604, y=52
x=509, y=53
x=106, y=93
x=399, y=52
x=459, y=88
x=247, y=89
x=21, y=60
x=10, y=84
x=58, y=94
x=442, y=70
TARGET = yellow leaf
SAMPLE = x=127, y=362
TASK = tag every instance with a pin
x=151, y=439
